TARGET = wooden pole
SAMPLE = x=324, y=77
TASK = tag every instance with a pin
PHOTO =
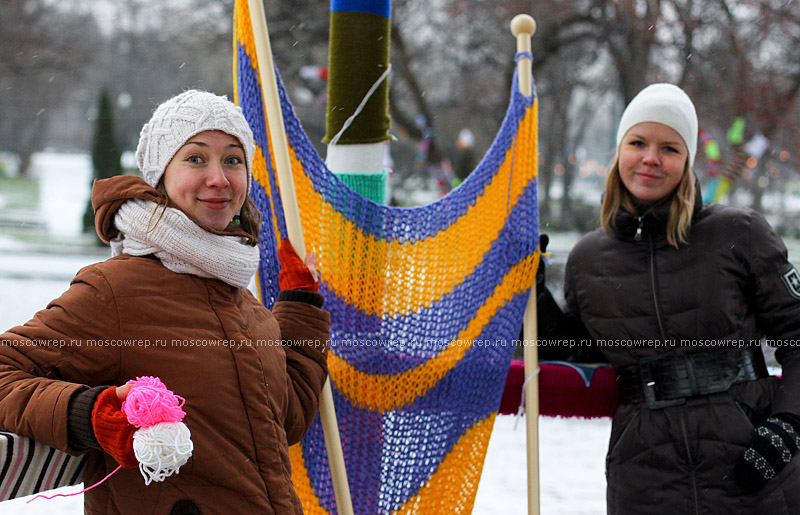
x=523, y=27
x=291, y=211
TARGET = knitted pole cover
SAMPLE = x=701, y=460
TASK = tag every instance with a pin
x=419, y=353
x=357, y=111
x=358, y=56
x=371, y=186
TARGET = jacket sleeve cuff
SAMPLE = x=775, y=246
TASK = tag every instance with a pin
x=80, y=433
x=309, y=297
x=787, y=397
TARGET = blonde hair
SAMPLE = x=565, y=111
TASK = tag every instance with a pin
x=681, y=202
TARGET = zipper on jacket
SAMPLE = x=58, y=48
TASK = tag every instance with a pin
x=690, y=459
x=638, y=235
x=654, y=285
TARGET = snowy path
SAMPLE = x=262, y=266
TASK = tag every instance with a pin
x=572, y=450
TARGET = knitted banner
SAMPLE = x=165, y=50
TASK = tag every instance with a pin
x=420, y=352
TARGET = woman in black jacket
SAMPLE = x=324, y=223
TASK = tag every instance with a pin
x=677, y=297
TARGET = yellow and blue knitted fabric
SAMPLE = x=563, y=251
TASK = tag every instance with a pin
x=425, y=305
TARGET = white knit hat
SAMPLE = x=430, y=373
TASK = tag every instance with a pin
x=665, y=104
x=184, y=116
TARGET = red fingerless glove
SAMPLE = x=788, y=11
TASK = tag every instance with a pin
x=294, y=274
x=111, y=428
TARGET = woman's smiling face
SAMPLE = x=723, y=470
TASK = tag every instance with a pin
x=207, y=178
x=652, y=161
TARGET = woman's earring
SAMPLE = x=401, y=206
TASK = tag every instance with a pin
x=237, y=218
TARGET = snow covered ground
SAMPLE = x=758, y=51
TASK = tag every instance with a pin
x=64, y=188
x=572, y=451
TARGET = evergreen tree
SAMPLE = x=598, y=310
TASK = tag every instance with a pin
x=105, y=151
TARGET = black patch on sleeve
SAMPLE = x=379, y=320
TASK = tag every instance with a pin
x=792, y=281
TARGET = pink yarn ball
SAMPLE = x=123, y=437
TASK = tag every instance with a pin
x=150, y=402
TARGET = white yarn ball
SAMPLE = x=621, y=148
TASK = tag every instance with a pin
x=162, y=449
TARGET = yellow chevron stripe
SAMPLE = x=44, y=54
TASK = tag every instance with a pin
x=386, y=392
x=375, y=267
x=242, y=29
x=452, y=488
x=244, y=36
x=337, y=240
x=302, y=483
x=260, y=175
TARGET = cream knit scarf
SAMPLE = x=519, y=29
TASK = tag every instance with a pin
x=182, y=245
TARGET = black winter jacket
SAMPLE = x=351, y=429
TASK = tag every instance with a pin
x=638, y=296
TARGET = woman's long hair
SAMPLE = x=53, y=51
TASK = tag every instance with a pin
x=681, y=202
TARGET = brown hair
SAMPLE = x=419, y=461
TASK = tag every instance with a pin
x=250, y=219
x=681, y=202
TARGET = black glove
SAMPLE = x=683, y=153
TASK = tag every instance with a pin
x=540, y=288
x=775, y=442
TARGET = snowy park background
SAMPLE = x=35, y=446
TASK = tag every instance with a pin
x=572, y=451
x=452, y=62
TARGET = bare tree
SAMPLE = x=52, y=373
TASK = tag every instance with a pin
x=42, y=56
x=452, y=60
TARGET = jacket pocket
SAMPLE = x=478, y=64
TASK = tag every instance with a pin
x=619, y=432
x=745, y=412
x=185, y=507
x=754, y=398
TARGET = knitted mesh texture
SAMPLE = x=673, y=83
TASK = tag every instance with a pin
x=425, y=305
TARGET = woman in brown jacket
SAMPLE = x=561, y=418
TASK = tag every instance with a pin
x=676, y=296
x=172, y=302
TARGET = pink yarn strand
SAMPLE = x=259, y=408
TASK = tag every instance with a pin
x=147, y=404
x=75, y=493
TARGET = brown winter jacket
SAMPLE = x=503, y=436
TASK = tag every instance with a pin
x=251, y=379
x=726, y=284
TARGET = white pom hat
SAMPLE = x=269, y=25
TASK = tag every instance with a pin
x=184, y=116
x=665, y=104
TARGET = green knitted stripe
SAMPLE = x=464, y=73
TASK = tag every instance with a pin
x=369, y=185
x=358, y=56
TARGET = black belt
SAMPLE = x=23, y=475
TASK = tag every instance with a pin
x=663, y=381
